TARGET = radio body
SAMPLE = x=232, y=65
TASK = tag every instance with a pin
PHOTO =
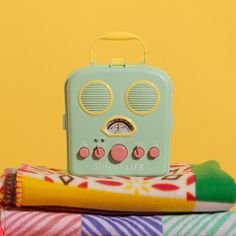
x=118, y=120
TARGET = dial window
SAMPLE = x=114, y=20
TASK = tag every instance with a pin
x=119, y=126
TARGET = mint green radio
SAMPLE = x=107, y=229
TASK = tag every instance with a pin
x=118, y=117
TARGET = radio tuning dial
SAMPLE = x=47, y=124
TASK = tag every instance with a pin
x=119, y=152
x=99, y=152
x=138, y=152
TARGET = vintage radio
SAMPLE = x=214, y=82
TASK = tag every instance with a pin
x=118, y=117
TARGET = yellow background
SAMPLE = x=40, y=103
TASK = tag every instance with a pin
x=41, y=42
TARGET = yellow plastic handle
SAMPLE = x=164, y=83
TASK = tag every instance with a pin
x=117, y=36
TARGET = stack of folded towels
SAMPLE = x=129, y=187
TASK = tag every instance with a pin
x=189, y=200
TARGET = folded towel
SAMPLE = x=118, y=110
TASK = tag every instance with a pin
x=215, y=224
x=121, y=225
x=17, y=222
x=7, y=187
x=23, y=222
x=186, y=188
x=2, y=177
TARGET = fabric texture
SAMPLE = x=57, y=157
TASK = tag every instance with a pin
x=9, y=189
x=214, y=187
x=217, y=224
x=29, y=222
x=34, y=223
x=121, y=226
x=186, y=188
x=2, y=177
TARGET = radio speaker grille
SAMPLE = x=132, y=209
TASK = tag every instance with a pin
x=95, y=97
x=142, y=97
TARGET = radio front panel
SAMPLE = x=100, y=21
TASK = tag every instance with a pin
x=118, y=121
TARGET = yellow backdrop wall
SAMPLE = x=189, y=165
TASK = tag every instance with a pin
x=42, y=41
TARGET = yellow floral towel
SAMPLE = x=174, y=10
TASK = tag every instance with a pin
x=177, y=191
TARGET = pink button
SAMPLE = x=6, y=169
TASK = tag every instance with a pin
x=154, y=152
x=119, y=152
x=98, y=152
x=84, y=152
x=138, y=152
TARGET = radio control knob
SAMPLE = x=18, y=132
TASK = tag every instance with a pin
x=154, y=152
x=119, y=152
x=138, y=152
x=83, y=152
x=99, y=152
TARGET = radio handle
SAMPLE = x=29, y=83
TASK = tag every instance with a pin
x=116, y=36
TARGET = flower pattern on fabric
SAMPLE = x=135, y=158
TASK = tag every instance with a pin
x=178, y=183
x=138, y=185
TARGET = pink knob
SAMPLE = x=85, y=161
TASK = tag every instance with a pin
x=84, y=152
x=119, y=152
x=98, y=152
x=138, y=152
x=154, y=152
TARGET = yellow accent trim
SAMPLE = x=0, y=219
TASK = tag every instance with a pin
x=103, y=129
x=82, y=90
x=139, y=82
x=116, y=36
x=34, y=194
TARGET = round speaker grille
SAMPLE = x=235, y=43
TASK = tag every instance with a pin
x=142, y=97
x=95, y=97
